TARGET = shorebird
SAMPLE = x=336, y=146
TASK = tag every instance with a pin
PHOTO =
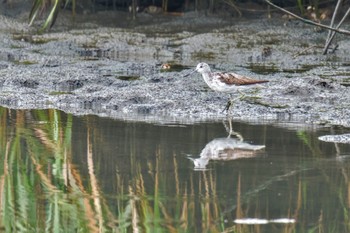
x=226, y=149
x=225, y=82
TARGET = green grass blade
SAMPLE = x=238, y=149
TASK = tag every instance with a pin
x=35, y=10
x=52, y=16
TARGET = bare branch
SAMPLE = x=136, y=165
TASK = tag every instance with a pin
x=332, y=34
x=333, y=18
x=342, y=31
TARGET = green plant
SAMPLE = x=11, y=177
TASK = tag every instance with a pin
x=39, y=6
x=300, y=4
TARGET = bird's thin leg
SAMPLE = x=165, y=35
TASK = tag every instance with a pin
x=229, y=119
x=230, y=130
x=228, y=105
x=238, y=135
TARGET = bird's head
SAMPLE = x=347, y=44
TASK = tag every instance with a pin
x=200, y=68
x=203, y=68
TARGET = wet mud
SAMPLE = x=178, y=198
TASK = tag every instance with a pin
x=136, y=72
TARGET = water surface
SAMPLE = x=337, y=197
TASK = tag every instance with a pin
x=64, y=173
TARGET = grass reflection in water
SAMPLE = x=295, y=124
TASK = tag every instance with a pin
x=61, y=173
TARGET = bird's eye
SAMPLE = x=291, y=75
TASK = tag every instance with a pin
x=201, y=66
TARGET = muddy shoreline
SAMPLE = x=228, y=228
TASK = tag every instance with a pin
x=116, y=71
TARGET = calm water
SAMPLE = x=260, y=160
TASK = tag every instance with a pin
x=62, y=173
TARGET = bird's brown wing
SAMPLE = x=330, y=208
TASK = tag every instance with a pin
x=236, y=79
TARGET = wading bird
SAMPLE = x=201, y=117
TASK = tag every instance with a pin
x=226, y=82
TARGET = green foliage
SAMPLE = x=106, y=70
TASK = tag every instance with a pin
x=300, y=4
x=39, y=6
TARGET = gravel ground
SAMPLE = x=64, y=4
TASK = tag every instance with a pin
x=115, y=71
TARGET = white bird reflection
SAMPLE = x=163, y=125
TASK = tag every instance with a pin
x=227, y=148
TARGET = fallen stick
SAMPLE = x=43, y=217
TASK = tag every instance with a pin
x=342, y=31
x=295, y=55
x=305, y=50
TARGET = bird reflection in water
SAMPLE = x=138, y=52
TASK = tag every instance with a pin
x=227, y=148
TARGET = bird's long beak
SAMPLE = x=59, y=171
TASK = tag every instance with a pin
x=189, y=73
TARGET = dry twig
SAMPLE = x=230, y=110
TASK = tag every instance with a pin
x=342, y=31
x=332, y=33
